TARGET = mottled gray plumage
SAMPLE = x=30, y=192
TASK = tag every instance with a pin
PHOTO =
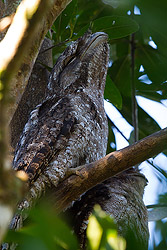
x=70, y=127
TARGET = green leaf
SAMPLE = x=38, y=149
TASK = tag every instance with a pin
x=112, y=93
x=44, y=217
x=154, y=15
x=153, y=61
x=102, y=233
x=87, y=12
x=121, y=76
x=25, y=241
x=66, y=21
x=45, y=230
x=153, y=91
x=115, y=26
x=122, y=47
x=104, y=220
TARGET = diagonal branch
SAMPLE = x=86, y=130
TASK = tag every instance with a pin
x=91, y=174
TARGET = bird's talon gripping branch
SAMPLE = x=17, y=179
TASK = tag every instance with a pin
x=74, y=171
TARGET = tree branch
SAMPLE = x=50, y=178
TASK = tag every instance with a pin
x=91, y=174
x=50, y=10
x=13, y=48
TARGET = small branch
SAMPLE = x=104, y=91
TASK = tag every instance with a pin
x=91, y=174
x=119, y=131
x=5, y=22
x=55, y=45
x=133, y=87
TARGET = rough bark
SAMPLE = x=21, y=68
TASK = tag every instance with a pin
x=34, y=91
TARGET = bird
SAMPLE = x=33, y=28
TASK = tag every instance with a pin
x=69, y=128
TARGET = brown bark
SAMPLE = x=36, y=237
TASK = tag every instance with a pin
x=89, y=175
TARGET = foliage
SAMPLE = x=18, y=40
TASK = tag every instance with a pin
x=102, y=233
x=45, y=232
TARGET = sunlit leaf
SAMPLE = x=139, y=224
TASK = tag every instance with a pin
x=94, y=233
x=115, y=241
x=102, y=233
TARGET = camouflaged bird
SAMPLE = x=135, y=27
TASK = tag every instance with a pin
x=70, y=127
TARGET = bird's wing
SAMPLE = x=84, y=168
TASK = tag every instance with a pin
x=44, y=135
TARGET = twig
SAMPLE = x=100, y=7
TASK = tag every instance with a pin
x=133, y=87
